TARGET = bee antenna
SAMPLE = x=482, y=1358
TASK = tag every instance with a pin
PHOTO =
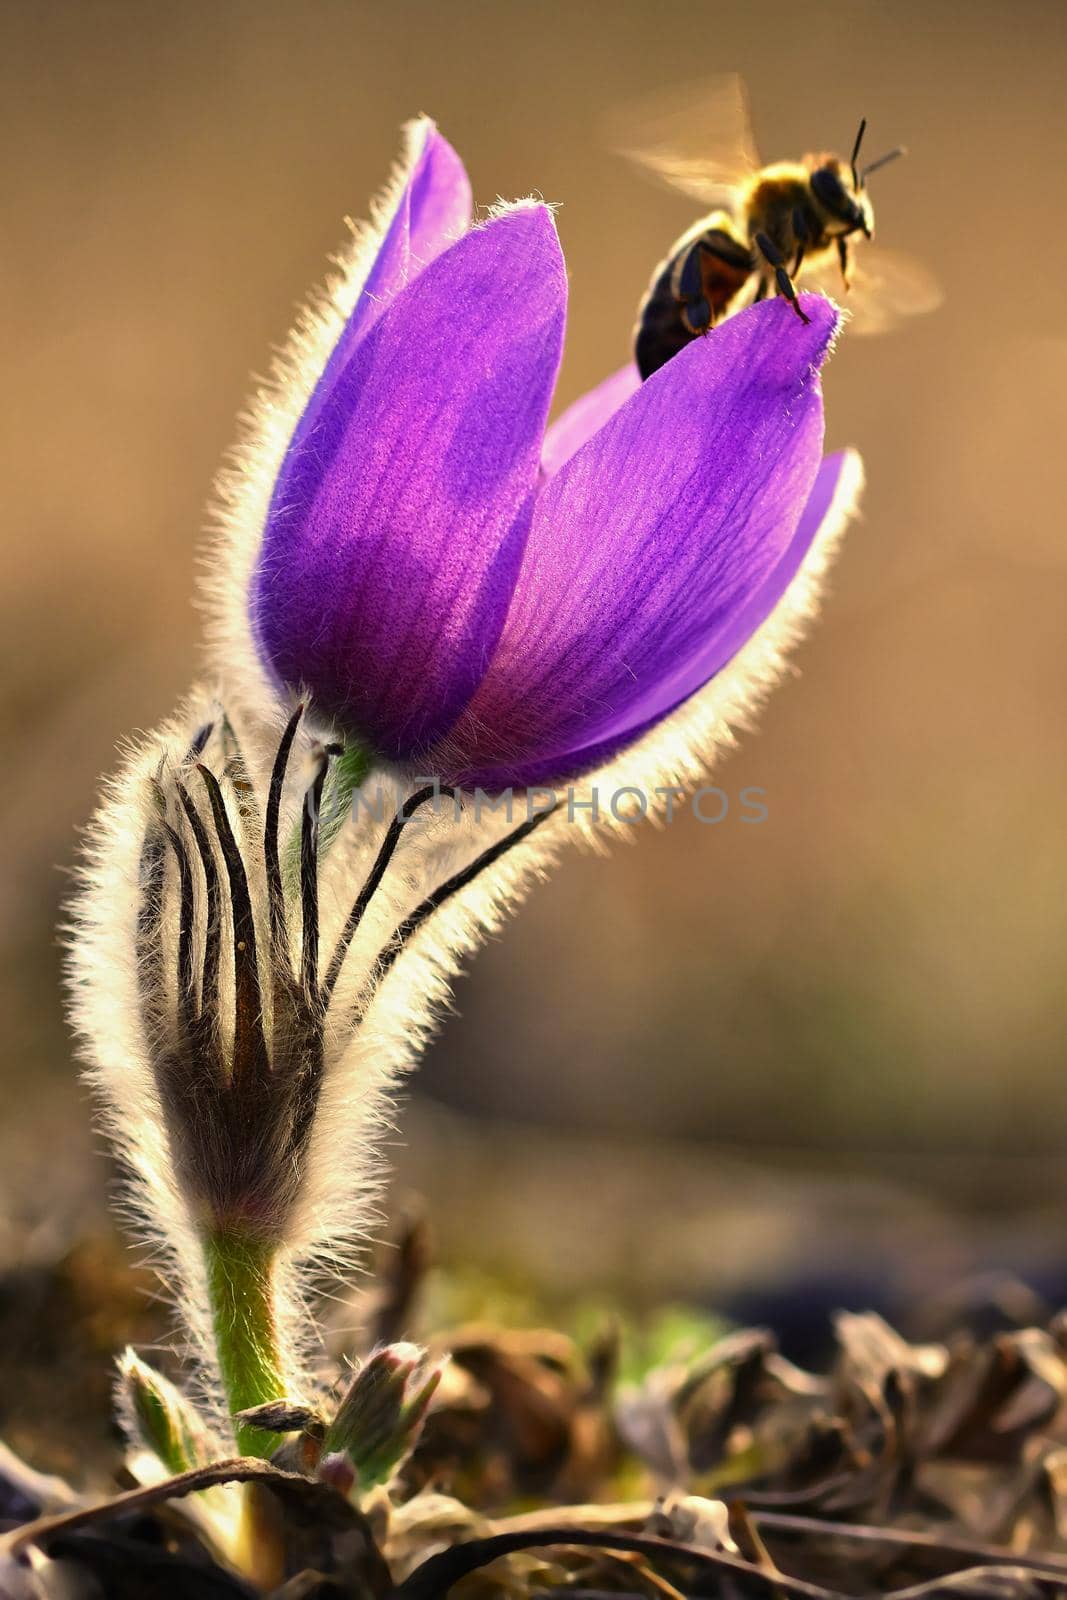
x=857, y=179
x=883, y=161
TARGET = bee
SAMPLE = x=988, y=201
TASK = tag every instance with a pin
x=768, y=227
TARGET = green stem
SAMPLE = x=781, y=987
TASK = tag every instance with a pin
x=240, y=1274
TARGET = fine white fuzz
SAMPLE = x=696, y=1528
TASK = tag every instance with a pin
x=105, y=1002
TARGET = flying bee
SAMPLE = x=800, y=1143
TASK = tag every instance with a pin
x=768, y=227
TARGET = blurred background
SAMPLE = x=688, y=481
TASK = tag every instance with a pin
x=770, y=1069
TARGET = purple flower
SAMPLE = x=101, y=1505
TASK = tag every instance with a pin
x=500, y=606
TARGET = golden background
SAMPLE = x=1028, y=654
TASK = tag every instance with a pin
x=831, y=1047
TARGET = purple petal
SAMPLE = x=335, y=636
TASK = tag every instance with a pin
x=653, y=550
x=441, y=200
x=722, y=646
x=432, y=210
x=588, y=414
x=398, y=524
x=690, y=676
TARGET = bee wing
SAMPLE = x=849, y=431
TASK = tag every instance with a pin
x=887, y=286
x=696, y=138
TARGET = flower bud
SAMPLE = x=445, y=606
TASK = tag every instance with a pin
x=160, y=1418
x=380, y=1418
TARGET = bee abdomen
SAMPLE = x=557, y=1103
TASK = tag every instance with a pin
x=660, y=332
x=715, y=265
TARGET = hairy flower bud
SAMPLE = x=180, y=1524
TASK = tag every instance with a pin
x=236, y=972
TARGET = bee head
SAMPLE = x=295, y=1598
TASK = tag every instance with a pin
x=840, y=193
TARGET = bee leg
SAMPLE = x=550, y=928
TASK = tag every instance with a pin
x=844, y=256
x=696, y=316
x=688, y=278
x=773, y=256
x=800, y=233
x=689, y=290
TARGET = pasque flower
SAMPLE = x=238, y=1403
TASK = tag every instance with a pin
x=460, y=592
x=498, y=605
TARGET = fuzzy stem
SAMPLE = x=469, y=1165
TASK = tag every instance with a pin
x=240, y=1274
